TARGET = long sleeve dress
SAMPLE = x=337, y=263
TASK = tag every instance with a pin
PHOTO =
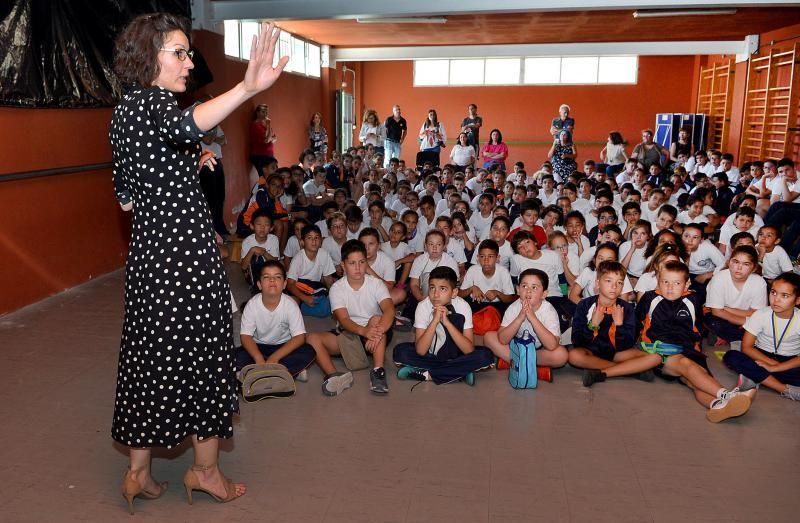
x=176, y=363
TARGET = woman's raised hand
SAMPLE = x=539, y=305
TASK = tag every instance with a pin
x=260, y=74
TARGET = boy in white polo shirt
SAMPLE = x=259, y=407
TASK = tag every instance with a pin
x=312, y=266
x=364, y=310
x=273, y=332
x=380, y=265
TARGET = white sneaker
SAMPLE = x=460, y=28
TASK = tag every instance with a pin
x=337, y=383
x=302, y=376
x=731, y=404
x=792, y=392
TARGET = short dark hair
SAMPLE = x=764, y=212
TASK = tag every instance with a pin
x=669, y=209
x=444, y=273
x=261, y=212
x=577, y=215
x=353, y=213
x=137, y=46
x=607, y=245
x=746, y=211
x=273, y=264
x=369, y=231
x=308, y=229
x=503, y=219
x=784, y=162
x=351, y=246
x=489, y=244
x=427, y=200
x=521, y=236
x=535, y=273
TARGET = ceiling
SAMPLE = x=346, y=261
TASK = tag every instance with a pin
x=546, y=27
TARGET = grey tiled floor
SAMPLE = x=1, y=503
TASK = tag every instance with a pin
x=622, y=451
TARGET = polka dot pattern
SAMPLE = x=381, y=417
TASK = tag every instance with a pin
x=176, y=365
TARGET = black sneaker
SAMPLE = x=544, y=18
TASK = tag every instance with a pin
x=592, y=376
x=377, y=381
x=647, y=376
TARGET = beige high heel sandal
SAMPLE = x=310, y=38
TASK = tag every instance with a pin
x=131, y=488
x=191, y=482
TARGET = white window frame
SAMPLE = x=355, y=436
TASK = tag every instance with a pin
x=522, y=81
x=308, y=46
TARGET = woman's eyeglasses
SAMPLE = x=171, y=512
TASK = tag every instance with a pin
x=180, y=53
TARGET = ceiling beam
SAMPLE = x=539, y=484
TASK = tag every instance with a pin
x=348, y=9
x=369, y=54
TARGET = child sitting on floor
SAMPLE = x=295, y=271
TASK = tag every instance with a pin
x=772, y=257
x=423, y=265
x=399, y=252
x=444, y=350
x=312, y=266
x=604, y=332
x=733, y=294
x=258, y=247
x=273, y=332
x=669, y=318
x=364, y=311
x=487, y=283
x=380, y=265
x=533, y=314
x=770, y=354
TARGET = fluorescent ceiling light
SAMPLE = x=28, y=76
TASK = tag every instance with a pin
x=683, y=12
x=411, y=20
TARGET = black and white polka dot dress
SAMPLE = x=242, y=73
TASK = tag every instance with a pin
x=176, y=366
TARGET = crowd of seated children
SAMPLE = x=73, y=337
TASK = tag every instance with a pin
x=698, y=251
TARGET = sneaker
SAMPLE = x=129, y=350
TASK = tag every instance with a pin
x=792, y=392
x=302, y=376
x=411, y=373
x=736, y=345
x=377, y=381
x=731, y=405
x=469, y=379
x=336, y=383
x=544, y=374
x=647, y=376
x=592, y=376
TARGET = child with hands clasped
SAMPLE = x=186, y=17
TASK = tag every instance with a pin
x=443, y=350
x=604, y=332
x=669, y=319
x=531, y=313
x=770, y=353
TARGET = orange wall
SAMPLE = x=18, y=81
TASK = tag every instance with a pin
x=60, y=231
x=523, y=113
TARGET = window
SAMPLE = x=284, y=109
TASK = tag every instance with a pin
x=232, y=38
x=312, y=60
x=538, y=70
x=466, y=72
x=579, y=70
x=304, y=56
x=248, y=31
x=618, y=70
x=431, y=72
x=502, y=71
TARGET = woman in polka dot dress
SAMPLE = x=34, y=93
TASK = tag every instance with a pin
x=176, y=376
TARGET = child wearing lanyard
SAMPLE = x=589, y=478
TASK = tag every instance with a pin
x=770, y=353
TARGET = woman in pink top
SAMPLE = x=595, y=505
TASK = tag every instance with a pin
x=495, y=151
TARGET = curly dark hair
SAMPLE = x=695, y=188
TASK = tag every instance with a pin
x=136, y=47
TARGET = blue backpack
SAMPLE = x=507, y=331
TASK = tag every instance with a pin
x=320, y=309
x=522, y=373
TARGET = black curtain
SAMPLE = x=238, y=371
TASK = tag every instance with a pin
x=58, y=53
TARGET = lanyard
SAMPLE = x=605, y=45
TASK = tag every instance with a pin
x=785, y=329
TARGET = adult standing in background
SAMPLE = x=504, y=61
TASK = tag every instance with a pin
x=176, y=363
x=318, y=136
x=562, y=122
x=262, y=139
x=471, y=126
x=372, y=132
x=432, y=138
x=212, y=178
x=396, y=130
x=562, y=154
